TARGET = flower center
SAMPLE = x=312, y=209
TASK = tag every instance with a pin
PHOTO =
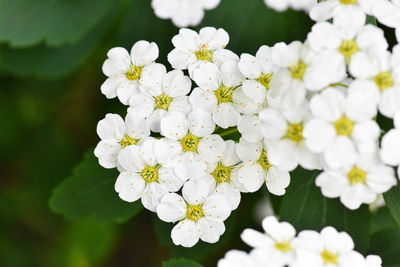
x=162, y=101
x=128, y=141
x=224, y=94
x=194, y=212
x=344, y=126
x=150, y=173
x=263, y=160
x=222, y=174
x=329, y=257
x=265, y=79
x=384, y=80
x=283, y=246
x=190, y=143
x=133, y=72
x=203, y=53
x=297, y=70
x=348, y=2
x=348, y=48
x=356, y=176
x=295, y=132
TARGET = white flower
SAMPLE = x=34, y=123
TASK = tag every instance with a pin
x=373, y=261
x=336, y=8
x=328, y=248
x=301, y=69
x=222, y=177
x=183, y=13
x=342, y=124
x=282, y=5
x=284, y=130
x=390, y=145
x=277, y=239
x=115, y=135
x=189, y=143
x=220, y=93
x=236, y=258
x=124, y=70
x=200, y=216
x=160, y=94
x=144, y=177
x=259, y=71
x=249, y=128
x=382, y=70
x=358, y=183
x=192, y=48
x=347, y=41
x=388, y=13
x=256, y=169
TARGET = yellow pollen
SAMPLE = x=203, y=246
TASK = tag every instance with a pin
x=194, y=212
x=384, y=80
x=190, y=143
x=329, y=257
x=263, y=160
x=203, y=53
x=224, y=94
x=265, y=79
x=222, y=174
x=162, y=101
x=133, y=72
x=348, y=2
x=344, y=126
x=128, y=141
x=348, y=48
x=298, y=70
x=356, y=176
x=295, y=132
x=150, y=173
x=283, y=246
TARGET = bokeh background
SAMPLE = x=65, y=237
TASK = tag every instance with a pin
x=51, y=53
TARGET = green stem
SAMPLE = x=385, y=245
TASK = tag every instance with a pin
x=340, y=84
x=231, y=131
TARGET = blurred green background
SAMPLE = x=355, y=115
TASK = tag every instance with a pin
x=51, y=53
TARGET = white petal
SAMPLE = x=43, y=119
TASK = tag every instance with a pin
x=250, y=176
x=332, y=183
x=273, y=124
x=109, y=87
x=247, y=151
x=277, y=180
x=117, y=63
x=216, y=208
x=248, y=65
x=226, y=115
x=207, y=77
x=172, y=208
x=186, y=233
x=174, y=126
x=211, y=148
x=210, y=230
x=143, y=53
x=126, y=89
x=203, y=99
x=111, y=127
x=175, y=83
x=329, y=105
x=318, y=135
x=231, y=75
x=130, y=186
x=107, y=151
x=169, y=179
x=215, y=39
x=137, y=127
x=200, y=123
x=131, y=159
x=231, y=194
x=195, y=192
x=390, y=151
x=152, y=195
x=284, y=153
x=340, y=153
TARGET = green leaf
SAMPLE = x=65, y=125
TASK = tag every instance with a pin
x=45, y=62
x=304, y=206
x=180, y=263
x=24, y=23
x=371, y=20
x=90, y=192
x=84, y=243
x=386, y=244
x=392, y=199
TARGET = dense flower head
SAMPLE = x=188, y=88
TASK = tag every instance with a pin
x=217, y=125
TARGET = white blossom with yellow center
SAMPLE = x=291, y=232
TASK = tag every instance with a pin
x=256, y=169
x=358, y=183
x=143, y=177
x=189, y=143
x=193, y=49
x=277, y=237
x=341, y=125
x=125, y=70
x=382, y=70
x=160, y=94
x=287, y=148
x=221, y=94
x=116, y=135
x=201, y=215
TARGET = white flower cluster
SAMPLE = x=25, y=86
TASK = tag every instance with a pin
x=279, y=246
x=183, y=13
x=310, y=104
